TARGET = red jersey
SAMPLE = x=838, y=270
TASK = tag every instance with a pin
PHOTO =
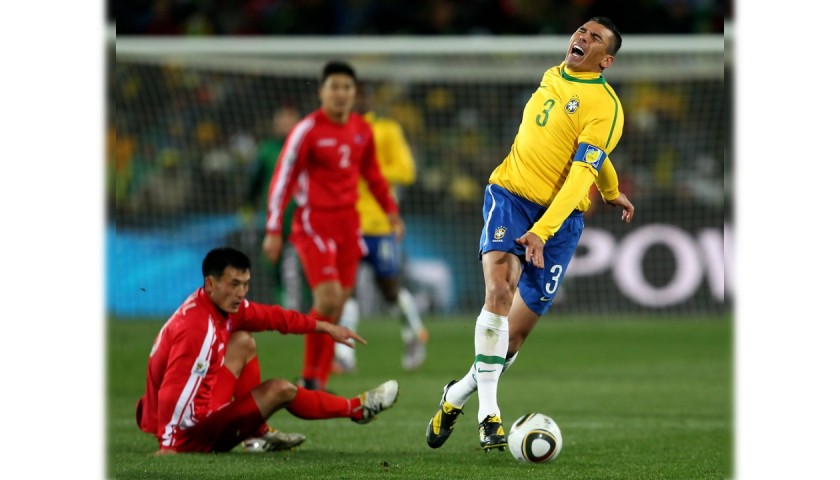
x=321, y=162
x=186, y=357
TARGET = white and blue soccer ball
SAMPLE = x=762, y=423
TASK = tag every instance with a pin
x=535, y=438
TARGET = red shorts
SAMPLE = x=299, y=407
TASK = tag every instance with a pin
x=223, y=428
x=329, y=244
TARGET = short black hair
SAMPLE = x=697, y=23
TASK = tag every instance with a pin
x=218, y=259
x=615, y=45
x=336, y=66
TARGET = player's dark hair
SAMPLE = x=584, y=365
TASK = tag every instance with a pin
x=616, y=42
x=218, y=259
x=336, y=66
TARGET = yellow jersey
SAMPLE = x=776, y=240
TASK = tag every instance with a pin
x=571, y=116
x=398, y=168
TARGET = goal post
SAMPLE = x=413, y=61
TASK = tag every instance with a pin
x=187, y=115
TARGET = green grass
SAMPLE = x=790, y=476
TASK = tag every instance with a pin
x=634, y=398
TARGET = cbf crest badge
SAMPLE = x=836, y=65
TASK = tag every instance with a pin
x=499, y=234
x=594, y=157
x=572, y=105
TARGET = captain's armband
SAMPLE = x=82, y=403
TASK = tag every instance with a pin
x=590, y=155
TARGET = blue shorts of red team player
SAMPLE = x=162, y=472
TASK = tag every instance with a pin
x=506, y=218
x=383, y=255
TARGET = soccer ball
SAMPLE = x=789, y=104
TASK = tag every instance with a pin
x=535, y=438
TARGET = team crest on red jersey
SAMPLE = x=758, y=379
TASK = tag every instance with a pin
x=200, y=367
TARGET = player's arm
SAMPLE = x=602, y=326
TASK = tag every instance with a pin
x=258, y=317
x=607, y=183
x=378, y=186
x=289, y=164
x=574, y=189
x=396, y=159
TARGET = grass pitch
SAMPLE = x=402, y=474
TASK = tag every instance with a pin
x=635, y=398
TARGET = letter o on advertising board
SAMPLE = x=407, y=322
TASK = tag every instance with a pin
x=628, y=271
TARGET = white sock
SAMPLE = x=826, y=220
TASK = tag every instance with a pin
x=459, y=393
x=491, y=343
x=408, y=311
x=350, y=319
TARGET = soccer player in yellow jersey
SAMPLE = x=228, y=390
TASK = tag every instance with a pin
x=383, y=254
x=533, y=216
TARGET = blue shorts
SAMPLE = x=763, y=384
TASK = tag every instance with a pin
x=506, y=218
x=383, y=255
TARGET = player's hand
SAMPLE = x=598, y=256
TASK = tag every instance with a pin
x=533, y=249
x=272, y=245
x=339, y=333
x=627, y=208
x=397, y=225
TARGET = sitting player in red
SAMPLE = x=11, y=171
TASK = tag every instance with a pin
x=203, y=389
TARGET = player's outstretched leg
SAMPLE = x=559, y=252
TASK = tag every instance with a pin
x=373, y=402
x=415, y=348
x=441, y=425
x=414, y=333
x=345, y=357
x=491, y=435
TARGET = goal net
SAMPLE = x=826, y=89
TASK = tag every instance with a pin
x=188, y=117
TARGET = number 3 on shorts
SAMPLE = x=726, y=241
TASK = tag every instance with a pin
x=551, y=286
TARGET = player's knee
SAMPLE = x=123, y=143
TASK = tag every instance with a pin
x=330, y=310
x=329, y=301
x=498, y=294
x=242, y=343
x=281, y=391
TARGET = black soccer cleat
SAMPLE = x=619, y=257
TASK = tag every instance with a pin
x=491, y=435
x=441, y=425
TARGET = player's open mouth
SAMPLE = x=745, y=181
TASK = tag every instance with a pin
x=577, y=51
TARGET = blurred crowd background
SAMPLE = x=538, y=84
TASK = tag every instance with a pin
x=188, y=139
x=397, y=17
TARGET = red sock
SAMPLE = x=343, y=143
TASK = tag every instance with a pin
x=310, y=356
x=316, y=405
x=225, y=384
x=248, y=379
x=316, y=348
x=326, y=354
